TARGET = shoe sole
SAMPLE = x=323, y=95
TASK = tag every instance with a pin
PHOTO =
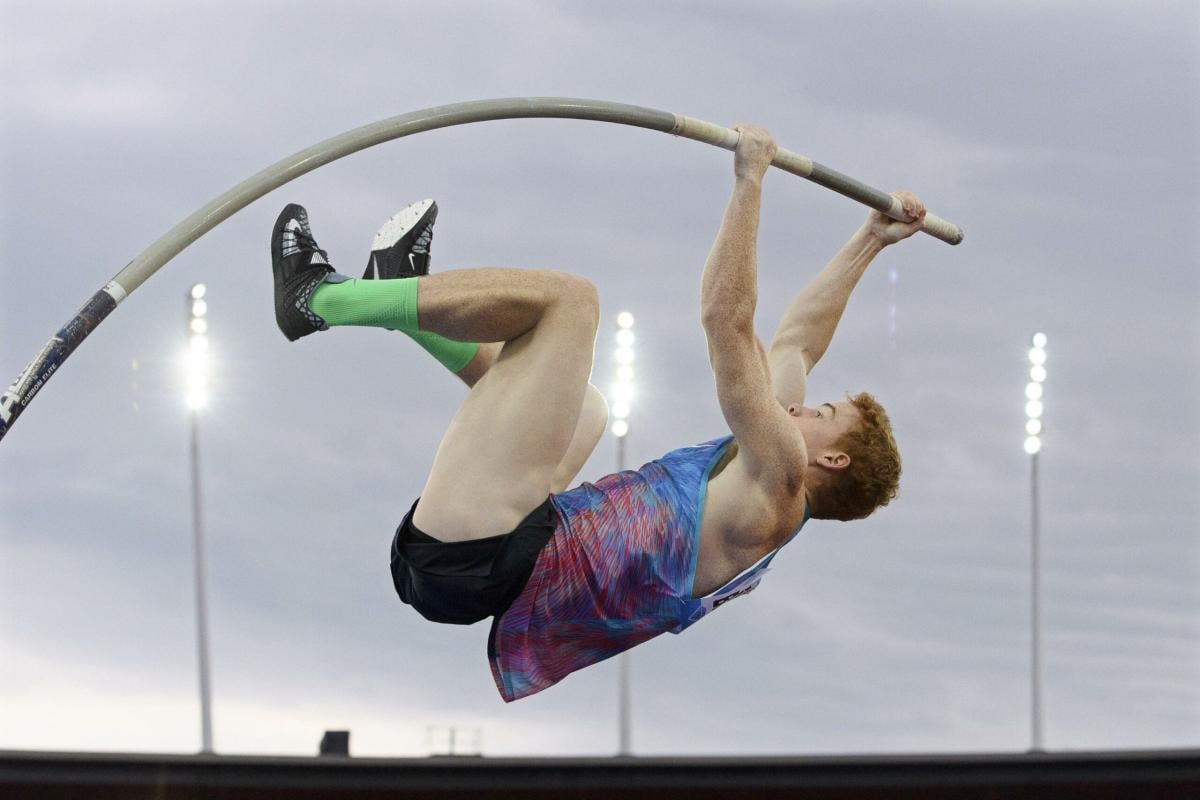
x=400, y=224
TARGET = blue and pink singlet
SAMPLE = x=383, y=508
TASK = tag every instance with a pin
x=617, y=572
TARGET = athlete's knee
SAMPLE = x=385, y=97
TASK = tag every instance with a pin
x=585, y=299
x=593, y=420
x=578, y=294
x=595, y=411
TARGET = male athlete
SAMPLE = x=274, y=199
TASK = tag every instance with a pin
x=574, y=577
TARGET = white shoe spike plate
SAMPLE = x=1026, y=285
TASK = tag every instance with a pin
x=399, y=224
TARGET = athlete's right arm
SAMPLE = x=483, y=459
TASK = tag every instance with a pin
x=771, y=445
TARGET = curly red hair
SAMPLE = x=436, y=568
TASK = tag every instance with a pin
x=872, y=478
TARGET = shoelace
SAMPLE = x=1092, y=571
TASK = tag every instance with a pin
x=305, y=240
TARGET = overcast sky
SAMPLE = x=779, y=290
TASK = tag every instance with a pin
x=1061, y=136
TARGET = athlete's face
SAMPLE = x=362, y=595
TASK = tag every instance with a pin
x=821, y=427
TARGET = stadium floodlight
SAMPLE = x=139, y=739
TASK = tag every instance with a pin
x=196, y=364
x=196, y=358
x=1034, y=427
x=622, y=390
x=1034, y=392
x=622, y=397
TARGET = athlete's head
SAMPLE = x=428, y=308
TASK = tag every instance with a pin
x=853, y=461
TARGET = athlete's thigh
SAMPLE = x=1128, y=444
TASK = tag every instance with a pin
x=593, y=420
x=497, y=460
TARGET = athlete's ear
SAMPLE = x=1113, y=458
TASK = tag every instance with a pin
x=834, y=460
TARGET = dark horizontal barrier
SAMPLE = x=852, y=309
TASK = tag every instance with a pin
x=1063, y=776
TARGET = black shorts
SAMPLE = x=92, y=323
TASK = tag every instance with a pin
x=464, y=582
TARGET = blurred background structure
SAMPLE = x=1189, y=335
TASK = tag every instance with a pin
x=622, y=400
x=197, y=363
x=1034, y=409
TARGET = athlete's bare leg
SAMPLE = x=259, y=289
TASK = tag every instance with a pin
x=506, y=446
x=593, y=418
x=480, y=363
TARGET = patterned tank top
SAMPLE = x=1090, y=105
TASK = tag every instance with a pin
x=617, y=572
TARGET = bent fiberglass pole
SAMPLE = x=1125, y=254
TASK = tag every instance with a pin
x=31, y=380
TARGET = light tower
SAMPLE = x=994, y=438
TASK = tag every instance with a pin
x=622, y=394
x=623, y=388
x=1034, y=408
x=196, y=361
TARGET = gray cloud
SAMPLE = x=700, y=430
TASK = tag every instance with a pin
x=1067, y=151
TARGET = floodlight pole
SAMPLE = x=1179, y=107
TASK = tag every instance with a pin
x=624, y=667
x=1036, y=660
x=197, y=328
x=201, y=604
x=1034, y=431
x=623, y=395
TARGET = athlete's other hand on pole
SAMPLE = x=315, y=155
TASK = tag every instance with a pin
x=890, y=231
x=755, y=150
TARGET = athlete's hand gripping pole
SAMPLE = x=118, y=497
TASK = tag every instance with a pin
x=805, y=167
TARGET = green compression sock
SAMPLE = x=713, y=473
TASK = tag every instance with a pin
x=450, y=354
x=387, y=304
x=375, y=304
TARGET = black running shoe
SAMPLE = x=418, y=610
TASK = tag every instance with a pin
x=401, y=247
x=300, y=267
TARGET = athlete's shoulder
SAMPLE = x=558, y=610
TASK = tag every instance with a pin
x=749, y=514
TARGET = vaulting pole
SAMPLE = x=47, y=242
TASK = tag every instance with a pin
x=22, y=391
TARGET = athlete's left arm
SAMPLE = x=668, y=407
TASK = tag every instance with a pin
x=810, y=321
